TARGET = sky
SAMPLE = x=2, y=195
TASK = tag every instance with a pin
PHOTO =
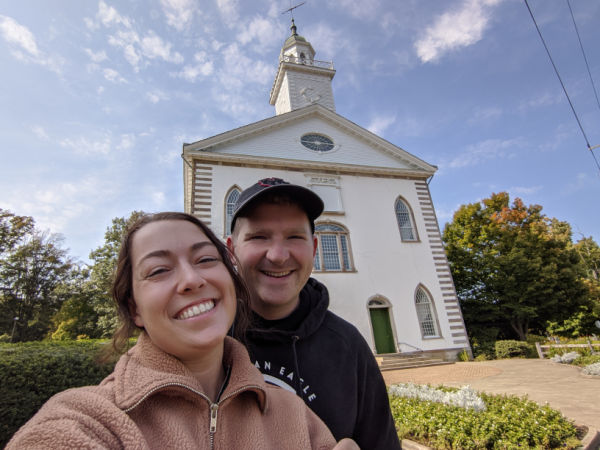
x=98, y=97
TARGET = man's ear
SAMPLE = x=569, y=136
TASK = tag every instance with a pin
x=315, y=244
x=137, y=319
x=230, y=243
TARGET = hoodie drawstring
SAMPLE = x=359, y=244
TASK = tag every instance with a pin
x=299, y=391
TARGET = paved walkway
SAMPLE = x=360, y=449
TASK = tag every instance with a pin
x=562, y=386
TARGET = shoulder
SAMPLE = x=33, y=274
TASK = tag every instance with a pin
x=74, y=418
x=344, y=332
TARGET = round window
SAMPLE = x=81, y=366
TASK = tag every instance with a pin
x=317, y=142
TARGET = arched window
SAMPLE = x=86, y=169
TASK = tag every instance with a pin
x=426, y=314
x=406, y=222
x=333, y=251
x=230, y=200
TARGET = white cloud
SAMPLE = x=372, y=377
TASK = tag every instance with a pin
x=455, y=29
x=23, y=44
x=229, y=10
x=100, y=90
x=379, y=124
x=261, y=32
x=156, y=96
x=541, y=101
x=485, y=114
x=84, y=146
x=109, y=16
x=525, y=190
x=40, y=133
x=179, y=13
x=158, y=198
x=18, y=35
x=127, y=142
x=239, y=68
x=486, y=150
x=360, y=9
x=192, y=72
x=96, y=57
x=154, y=47
x=113, y=76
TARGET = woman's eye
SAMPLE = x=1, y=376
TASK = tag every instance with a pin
x=156, y=272
x=207, y=259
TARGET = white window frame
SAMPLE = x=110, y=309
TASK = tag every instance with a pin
x=408, y=221
x=341, y=237
x=228, y=208
x=426, y=314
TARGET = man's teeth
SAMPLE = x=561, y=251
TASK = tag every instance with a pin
x=196, y=310
x=277, y=274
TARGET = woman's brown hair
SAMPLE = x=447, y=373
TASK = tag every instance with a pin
x=122, y=287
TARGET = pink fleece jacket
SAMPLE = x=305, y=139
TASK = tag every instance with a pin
x=151, y=400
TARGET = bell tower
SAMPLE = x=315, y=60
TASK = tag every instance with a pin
x=301, y=80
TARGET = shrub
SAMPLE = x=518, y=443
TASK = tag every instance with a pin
x=512, y=349
x=507, y=422
x=464, y=356
x=566, y=358
x=592, y=369
x=587, y=360
x=32, y=372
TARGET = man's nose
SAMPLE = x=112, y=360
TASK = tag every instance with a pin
x=278, y=253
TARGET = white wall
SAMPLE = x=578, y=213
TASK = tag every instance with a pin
x=384, y=264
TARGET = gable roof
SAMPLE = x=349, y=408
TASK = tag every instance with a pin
x=387, y=158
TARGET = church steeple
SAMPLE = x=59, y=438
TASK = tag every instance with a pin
x=301, y=80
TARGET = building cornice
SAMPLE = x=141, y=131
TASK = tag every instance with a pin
x=304, y=166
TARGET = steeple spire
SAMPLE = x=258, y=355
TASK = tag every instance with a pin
x=301, y=80
x=293, y=28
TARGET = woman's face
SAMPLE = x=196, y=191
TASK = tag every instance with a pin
x=184, y=296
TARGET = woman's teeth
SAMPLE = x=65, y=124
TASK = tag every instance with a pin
x=196, y=310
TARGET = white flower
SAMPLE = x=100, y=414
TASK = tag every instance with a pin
x=465, y=397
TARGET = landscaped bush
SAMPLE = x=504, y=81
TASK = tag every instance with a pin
x=32, y=372
x=512, y=349
x=566, y=358
x=587, y=360
x=592, y=369
x=507, y=422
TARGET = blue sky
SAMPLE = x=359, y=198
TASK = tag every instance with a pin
x=97, y=97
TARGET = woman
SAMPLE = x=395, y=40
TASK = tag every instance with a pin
x=184, y=384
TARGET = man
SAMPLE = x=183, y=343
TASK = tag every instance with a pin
x=297, y=343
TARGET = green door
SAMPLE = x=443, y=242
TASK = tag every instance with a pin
x=382, y=330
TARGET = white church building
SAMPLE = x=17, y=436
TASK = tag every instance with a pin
x=380, y=251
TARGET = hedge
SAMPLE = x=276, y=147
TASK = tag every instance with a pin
x=32, y=372
x=512, y=349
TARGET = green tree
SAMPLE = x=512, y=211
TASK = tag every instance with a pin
x=102, y=271
x=76, y=316
x=31, y=269
x=514, y=268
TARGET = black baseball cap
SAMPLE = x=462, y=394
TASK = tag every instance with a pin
x=310, y=202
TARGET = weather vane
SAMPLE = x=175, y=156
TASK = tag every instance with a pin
x=292, y=8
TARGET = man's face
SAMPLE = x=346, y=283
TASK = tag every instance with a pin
x=275, y=247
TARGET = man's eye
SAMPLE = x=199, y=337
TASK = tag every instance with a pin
x=257, y=237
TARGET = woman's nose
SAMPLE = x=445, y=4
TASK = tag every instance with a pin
x=190, y=277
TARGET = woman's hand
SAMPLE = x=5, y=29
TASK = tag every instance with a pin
x=346, y=444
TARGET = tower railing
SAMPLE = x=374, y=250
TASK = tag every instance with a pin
x=307, y=62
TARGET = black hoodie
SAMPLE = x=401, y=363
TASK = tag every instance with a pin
x=326, y=361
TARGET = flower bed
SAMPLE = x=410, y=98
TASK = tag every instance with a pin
x=504, y=422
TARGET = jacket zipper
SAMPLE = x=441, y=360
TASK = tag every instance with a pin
x=214, y=407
